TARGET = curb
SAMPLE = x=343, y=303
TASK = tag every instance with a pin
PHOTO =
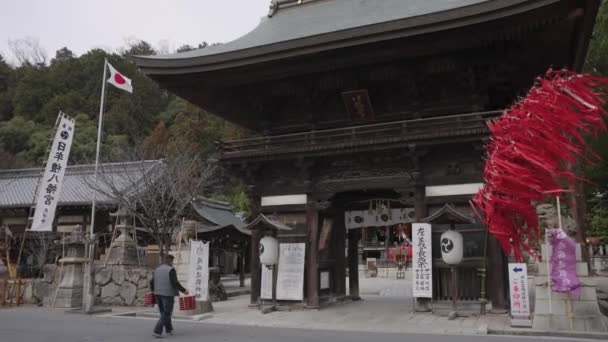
x=570, y=334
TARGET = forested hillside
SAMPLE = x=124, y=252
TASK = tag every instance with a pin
x=33, y=92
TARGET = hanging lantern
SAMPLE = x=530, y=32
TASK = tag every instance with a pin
x=451, y=247
x=269, y=251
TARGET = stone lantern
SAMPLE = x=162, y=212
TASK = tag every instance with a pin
x=69, y=293
x=123, y=250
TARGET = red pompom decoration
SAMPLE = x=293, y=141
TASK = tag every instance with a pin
x=532, y=146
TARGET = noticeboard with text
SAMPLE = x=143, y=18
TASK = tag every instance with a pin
x=199, y=270
x=422, y=261
x=518, y=290
x=290, y=277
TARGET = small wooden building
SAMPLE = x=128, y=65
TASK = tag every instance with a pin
x=18, y=189
x=216, y=222
x=356, y=102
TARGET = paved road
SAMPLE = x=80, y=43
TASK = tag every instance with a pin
x=33, y=324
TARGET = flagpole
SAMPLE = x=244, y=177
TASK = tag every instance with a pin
x=99, y=125
x=89, y=277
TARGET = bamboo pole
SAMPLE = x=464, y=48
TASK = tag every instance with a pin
x=105, y=263
x=60, y=270
x=136, y=243
x=179, y=244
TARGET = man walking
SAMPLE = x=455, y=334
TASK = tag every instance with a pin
x=165, y=286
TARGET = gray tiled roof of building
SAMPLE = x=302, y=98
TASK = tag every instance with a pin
x=219, y=214
x=17, y=187
x=322, y=17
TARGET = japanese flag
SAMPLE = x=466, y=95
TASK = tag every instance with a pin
x=119, y=80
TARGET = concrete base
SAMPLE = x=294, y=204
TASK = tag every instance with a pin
x=68, y=298
x=561, y=312
x=521, y=323
x=422, y=305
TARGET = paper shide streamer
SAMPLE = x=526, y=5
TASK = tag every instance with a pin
x=532, y=148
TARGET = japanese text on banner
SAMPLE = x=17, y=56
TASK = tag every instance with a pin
x=422, y=261
x=50, y=184
x=199, y=270
x=518, y=288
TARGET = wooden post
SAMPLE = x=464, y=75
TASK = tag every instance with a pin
x=420, y=210
x=454, y=287
x=387, y=233
x=256, y=278
x=341, y=264
x=18, y=292
x=5, y=292
x=497, y=278
x=275, y=273
x=353, y=263
x=242, y=268
x=312, y=254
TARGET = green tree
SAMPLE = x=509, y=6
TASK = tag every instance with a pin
x=15, y=134
x=7, y=81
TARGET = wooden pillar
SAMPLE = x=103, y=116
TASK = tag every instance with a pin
x=420, y=209
x=256, y=275
x=353, y=263
x=420, y=212
x=242, y=267
x=341, y=264
x=387, y=233
x=312, y=255
x=497, y=278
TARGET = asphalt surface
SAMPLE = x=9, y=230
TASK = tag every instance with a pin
x=38, y=324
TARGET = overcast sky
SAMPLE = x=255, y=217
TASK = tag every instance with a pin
x=84, y=24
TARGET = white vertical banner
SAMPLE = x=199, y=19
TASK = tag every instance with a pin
x=198, y=282
x=518, y=290
x=290, y=278
x=266, y=288
x=49, y=188
x=422, y=260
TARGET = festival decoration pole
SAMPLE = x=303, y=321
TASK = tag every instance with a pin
x=531, y=144
x=548, y=246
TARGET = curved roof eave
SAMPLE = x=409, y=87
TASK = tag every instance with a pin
x=250, y=50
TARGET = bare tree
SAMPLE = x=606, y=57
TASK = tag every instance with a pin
x=39, y=245
x=28, y=51
x=158, y=192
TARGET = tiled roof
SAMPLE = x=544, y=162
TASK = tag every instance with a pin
x=219, y=214
x=319, y=18
x=17, y=187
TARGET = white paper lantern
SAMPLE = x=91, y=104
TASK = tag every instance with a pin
x=269, y=251
x=451, y=247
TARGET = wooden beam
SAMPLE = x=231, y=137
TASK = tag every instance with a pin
x=341, y=264
x=584, y=32
x=354, y=235
x=496, y=289
x=256, y=275
x=420, y=206
x=312, y=255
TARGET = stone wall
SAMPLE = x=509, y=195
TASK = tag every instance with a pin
x=119, y=285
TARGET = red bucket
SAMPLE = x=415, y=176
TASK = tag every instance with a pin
x=187, y=303
x=149, y=298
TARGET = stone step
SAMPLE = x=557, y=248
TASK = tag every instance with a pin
x=562, y=323
x=581, y=269
x=565, y=307
x=585, y=281
x=587, y=293
x=579, y=255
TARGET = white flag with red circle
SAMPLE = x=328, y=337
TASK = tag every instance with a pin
x=119, y=80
